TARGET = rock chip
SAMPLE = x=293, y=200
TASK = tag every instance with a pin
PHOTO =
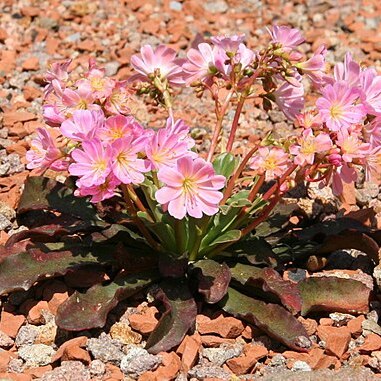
x=336, y=339
x=26, y=335
x=106, y=349
x=137, y=361
x=219, y=356
x=36, y=354
x=68, y=371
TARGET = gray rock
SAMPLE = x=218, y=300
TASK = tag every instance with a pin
x=375, y=361
x=73, y=37
x=111, y=68
x=367, y=193
x=5, y=224
x=301, y=366
x=106, y=349
x=278, y=360
x=48, y=23
x=26, y=335
x=97, y=368
x=36, y=355
x=340, y=318
x=200, y=372
x=276, y=116
x=68, y=371
x=5, y=340
x=370, y=326
x=175, y=6
x=218, y=6
x=219, y=355
x=15, y=366
x=138, y=360
x=7, y=211
x=4, y=168
x=15, y=163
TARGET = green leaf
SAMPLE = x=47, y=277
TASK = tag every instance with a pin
x=273, y=319
x=270, y=281
x=334, y=294
x=224, y=164
x=20, y=271
x=90, y=310
x=179, y=316
x=229, y=236
x=42, y=193
x=212, y=279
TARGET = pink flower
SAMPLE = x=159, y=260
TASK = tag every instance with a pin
x=180, y=129
x=370, y=84
x=337, y=106
x=272, y=161
x=343, y=174
x=120, y=126
x=117, y=102
x=290, y=99
x=347, y=71
x=204, y=63
x=288, y=37
x=161, y=61
x=309, y=145
x=308, y=120
x=56, y=75
x=228, y=43
x=81, y=99
x=84, y=125
x=191, y=187
x=372, y=163
x=98, y=192
x=44, y=154
x=53, y=115
x=351, y=146
x=125, y=163
x=92, y=163
x=166, y=147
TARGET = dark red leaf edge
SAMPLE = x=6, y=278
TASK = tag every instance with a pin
x=179, y=316
x=90, y=310
x=212, y=279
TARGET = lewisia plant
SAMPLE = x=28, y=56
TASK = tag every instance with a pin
x=198, y=216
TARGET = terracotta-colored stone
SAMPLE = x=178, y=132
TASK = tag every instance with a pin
x=355, y=325
x=310, y=325
x=80, y=341
x=15, y=377
x=56, y=300
x=189, y=350
x=5, y=357
x=31, y=93
x=35, y=314
x=227, y=327
x=12, y=117
x=171, y=364
x=215, y=341
x=75, y=353
x=144, y=323
x=113, y=373
x=243, y=364
x=10, y=323
x=123, y=332
x=336, y=339
x=31, y=63
x=372, y=343
x=326, y=321
x=38, y=372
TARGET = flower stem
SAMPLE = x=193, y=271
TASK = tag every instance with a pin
x=180, y=236
x=233, y=130
x=200, y=231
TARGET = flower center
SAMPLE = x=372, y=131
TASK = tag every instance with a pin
x=97, y=84
x=188, y=185
x=308, y=147
x=336, y=111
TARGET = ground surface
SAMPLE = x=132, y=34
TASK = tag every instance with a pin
x=34, y=33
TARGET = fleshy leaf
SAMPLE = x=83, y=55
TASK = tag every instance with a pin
x=273, y=319
x=90, y=310
x=20, y=271
x=213, y=279
x=334, y=294
x=179, y=316
x=270, y=281
x=44, y=193
x=224, y=164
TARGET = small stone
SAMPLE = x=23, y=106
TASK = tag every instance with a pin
x=218, y=6
x=175, y=6
x=39, y=371
x=35, y=315
x=340, y=319
x=137, y=361
x=123, y=333
x=301, y=366
x=5, y=224
x=5, y=358
x=243, y=364
x=370, y=326
x=31, y=63
x=75, y=353
x=10, y=323
x=97, y=368
x=278, y=360
x=355, y=325
x=336, y=339
x=80, y=341
x=15, y=365
x=26, y=335
x=189, y=350
x=36, y=354
x=5, y=340
x=9, y=213
x=143, y=323
x=228, y=327
x=213, y=372
x=218, y=356
x=68, y=371
x=372, y=343
x=105, y=349
x=111, y=68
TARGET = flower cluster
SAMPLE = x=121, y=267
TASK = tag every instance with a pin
x=110, y=153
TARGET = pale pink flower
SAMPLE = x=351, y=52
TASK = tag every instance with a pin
x=126, y=165
x=343, y=174
x=272, y=161
x=337, y=106
x=53, y=115
x=117, y=102
x=372, y=162
x=166, y=147
x=191, y=187
x=120, y=126
x=309, y=145
x=98, y=192
x=370, y=84
x=180, y=129
x=347, y=71
x=92, y=162
x=96, y=83
x=84, y=125
x=228, y=43
x=80, y=99
x=308, y=120
x=373, y=132
x=290, y=99
x=162, y=62
x=351, y=146
x=204, y=63
x=288, y=38
x=57, y=75
x=44, y=154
